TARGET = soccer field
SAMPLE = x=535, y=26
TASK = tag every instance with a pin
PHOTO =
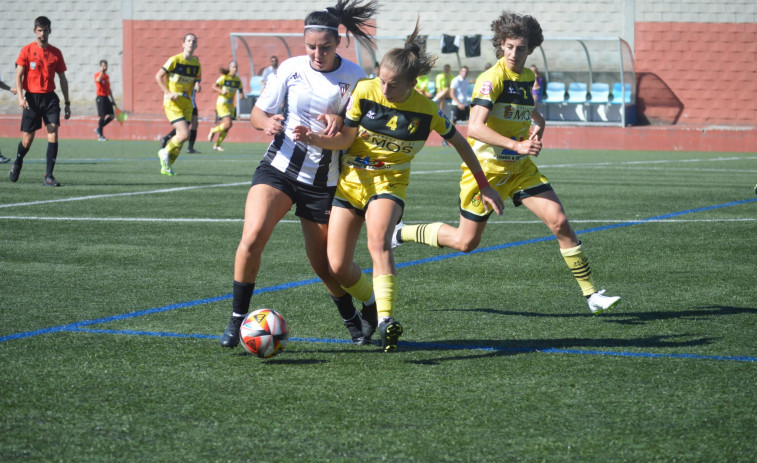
x=115, y=289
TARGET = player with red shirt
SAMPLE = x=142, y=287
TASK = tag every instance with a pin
x=36, y=67
x=104, y=100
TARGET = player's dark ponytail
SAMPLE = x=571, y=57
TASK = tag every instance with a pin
x=354, y=16
x=410, y=61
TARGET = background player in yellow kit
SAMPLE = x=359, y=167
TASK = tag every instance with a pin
x=386, y=125
x=177, y=80
x=227, y=87
x=501, y=134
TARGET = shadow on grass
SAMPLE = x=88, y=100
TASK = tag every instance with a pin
x=627, y=318
x=497, y=348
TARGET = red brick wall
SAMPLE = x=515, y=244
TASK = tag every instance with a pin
x=148, y=44
x=697, y=73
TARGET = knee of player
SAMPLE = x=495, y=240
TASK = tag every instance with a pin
x=468, y=244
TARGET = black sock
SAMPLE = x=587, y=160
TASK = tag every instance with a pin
x=192, y=138
x=52, y=155
x=170, y=134
x=345, y=307
x=242, y=294
x=22, y=151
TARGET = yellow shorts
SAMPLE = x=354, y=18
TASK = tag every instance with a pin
x=521, y=180
x=225, y=110
x=178, y=109
x=357, y=188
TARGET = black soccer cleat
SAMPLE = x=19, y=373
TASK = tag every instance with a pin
x=370, y=321
x=230, y=337
x=15, y=170
x=390, y=331
x=4, y=160
x=355, y=327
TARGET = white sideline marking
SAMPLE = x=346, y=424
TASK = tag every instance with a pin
x=209, y=220
x=443, y=171
x=114, y=195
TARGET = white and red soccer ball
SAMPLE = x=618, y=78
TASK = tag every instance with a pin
x=264, y=333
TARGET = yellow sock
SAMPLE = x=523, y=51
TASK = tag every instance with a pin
x=221, y=135
x=362, y=290
x=173, y=149
x=427, y=233
x=578, y=263
x=217, y=128
x=385, y=287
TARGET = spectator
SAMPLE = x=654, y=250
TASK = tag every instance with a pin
x=461, y=91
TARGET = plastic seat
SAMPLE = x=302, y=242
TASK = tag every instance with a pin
x=431, y=87
x=600, y=92
x=577, y=92
x=618, y=95
x=256, y=85
x=555, y=92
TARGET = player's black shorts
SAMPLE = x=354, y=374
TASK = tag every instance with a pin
x=42, y=107
x=104, y=106
x=311, y=203
x=460, y=114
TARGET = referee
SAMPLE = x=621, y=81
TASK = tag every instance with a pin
x=36, y=67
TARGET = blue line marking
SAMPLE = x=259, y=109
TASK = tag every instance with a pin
x=79, y=326
x=440, y=346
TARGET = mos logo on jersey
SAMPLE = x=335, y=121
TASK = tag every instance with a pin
x=486, y=87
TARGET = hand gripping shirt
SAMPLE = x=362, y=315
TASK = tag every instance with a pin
x=182, y=74
x=308, y=94
x=508, y=96
x=390, y=134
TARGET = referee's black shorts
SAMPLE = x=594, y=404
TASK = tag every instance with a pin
x=41, y=107
x=104, y=106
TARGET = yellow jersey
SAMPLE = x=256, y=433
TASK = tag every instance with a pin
x=232, y=84
x=390, y=134
x=182, y=74
x=509, y=98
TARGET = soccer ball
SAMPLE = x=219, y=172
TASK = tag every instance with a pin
x=264, y=333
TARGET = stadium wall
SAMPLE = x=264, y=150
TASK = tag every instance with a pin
x=696, y=60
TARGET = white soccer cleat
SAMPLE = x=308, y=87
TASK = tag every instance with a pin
x=599, y=302
x=395, y=234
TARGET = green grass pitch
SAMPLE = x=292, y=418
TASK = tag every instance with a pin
x=114, y=290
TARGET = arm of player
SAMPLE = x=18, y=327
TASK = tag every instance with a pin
x=341, y=141
x=490, y=196
x=269, y=123
x=537, y=128
x=218, y=89
x=478, y=130
x=19, y=85
x=64, y=90
x=160, y=78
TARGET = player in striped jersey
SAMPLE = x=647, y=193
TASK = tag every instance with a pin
x=501, y=134
x=177, y=79
x=316, y=88
x=227, y=87
x=386, y=125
